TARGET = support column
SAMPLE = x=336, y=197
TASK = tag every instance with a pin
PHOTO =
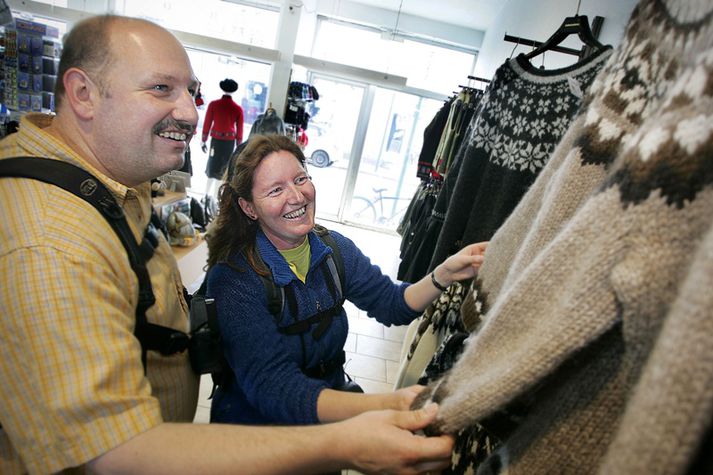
x=286, y=40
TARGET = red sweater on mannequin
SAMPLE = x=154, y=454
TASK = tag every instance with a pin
x=224, y=120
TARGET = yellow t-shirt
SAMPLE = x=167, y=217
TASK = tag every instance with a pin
x=298, y=259
x=73, y=383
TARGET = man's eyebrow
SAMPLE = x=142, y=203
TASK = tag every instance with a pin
x=162, y=77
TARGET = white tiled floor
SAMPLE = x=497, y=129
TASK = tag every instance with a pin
x=372, y=349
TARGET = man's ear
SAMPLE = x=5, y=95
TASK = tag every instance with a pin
x=81, y=92
x=247, y=208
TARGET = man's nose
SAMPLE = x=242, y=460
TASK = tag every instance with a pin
x=186, y=109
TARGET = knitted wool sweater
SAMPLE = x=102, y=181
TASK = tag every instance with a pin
x=597, y=338
x=521, y=118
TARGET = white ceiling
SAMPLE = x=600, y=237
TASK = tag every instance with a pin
x=477, y=14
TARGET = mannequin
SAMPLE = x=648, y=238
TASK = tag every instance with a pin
x=224, y=123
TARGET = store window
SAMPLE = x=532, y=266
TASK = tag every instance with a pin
x=331, y=130
x=387, y=181
x=233, y=21
x=427, y=65
x=252, y=77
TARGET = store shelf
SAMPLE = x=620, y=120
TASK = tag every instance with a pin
x=191, y=259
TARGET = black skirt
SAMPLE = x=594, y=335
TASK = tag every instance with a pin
x=220, y=152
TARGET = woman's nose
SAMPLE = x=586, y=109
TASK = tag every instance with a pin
x=294, y=195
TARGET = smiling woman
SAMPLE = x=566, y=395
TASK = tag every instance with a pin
x=286, y=355
x=282, y=201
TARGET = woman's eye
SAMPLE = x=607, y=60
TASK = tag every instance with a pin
x=160, y=87
x=274, y=191
x=301, y=180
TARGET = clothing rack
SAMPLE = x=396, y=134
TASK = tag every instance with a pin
x=596, y=28
x=476, y=78
x=472, y=88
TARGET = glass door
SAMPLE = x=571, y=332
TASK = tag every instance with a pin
x=386, y=179
x=331, y=136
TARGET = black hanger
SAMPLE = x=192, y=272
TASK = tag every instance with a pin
x=579, y=25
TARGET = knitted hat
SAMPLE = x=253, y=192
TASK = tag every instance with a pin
x=228, y=85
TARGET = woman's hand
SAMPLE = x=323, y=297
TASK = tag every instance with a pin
x=401, y=399
x=333, y=405
x=462, y=265
x=459, y=266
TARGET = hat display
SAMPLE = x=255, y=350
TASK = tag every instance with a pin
x=228, y=85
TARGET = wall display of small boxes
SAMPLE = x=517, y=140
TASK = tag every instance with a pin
x=29, y=58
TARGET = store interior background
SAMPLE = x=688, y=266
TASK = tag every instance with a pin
x=382, y=68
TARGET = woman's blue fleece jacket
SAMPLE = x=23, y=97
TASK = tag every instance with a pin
x=268, y=386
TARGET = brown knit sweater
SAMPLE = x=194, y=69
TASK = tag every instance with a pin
x=598, y=336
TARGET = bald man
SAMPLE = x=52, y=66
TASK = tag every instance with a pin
x=74, y=391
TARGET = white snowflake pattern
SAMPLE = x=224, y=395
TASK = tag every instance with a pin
x=519, y=125
x=543, y=106
x=526, y=105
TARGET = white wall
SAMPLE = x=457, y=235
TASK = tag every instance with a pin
x=538, y=20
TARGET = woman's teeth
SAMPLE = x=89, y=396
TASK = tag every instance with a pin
x=173, y=135
x=296, y=213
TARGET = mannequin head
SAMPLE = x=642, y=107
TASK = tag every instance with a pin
x=228, y=86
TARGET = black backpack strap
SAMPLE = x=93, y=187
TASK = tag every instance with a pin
x=81, y=183
x=333, y=270
x=337, y=262
x=275, y=297
x=323, y=318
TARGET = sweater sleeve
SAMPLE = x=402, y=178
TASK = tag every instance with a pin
x=208, y=121
x=370, y=290
x=257, y=353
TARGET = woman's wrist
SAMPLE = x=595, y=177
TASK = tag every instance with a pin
x=437, y=283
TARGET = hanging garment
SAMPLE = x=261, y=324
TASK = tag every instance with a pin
x=418, y=245
x=599, y=329
x=268, y=123
x=463, y=119
x=415, y=260
x=431, y=138
x=459, y=116
x=417, y=213
x=425, y=334
x=525, y=112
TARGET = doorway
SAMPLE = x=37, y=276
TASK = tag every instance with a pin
x=363, y=149
x=331, y=137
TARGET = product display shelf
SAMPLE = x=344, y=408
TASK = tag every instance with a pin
x=191, y=259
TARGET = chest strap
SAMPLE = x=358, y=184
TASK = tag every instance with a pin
x=323, y=318
x=81, y=183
